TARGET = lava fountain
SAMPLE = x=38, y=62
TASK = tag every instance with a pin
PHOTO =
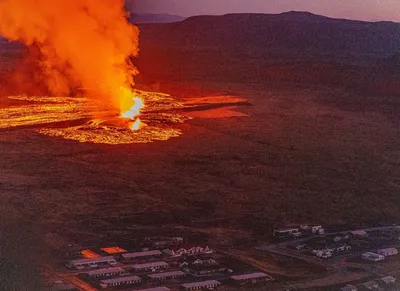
x=82, y=44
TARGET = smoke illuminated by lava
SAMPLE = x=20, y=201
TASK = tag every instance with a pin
x=82, y=43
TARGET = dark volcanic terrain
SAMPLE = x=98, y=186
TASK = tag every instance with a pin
x=320, y=143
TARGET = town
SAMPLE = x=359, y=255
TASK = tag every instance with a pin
x=360, y=259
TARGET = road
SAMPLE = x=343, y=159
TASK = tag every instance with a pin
x=69, y=278
x=337, y=267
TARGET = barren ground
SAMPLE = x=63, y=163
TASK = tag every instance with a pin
x=299, y=152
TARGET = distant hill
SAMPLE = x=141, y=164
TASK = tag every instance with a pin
x=291, y=31
x=155, y=18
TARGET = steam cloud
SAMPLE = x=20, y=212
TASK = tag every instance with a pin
x=81, y=43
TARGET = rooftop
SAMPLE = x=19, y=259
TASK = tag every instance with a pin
x=142, y=254
x=154, y=289
x=93, y=260
x=167, y=274
x=113, y=250
x=149, y=265
x=388, y=279
x=105, y=271
x=249, y=276
x=200, y=284
x=121, y=279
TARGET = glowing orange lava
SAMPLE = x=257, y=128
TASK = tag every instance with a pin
x=72, y=118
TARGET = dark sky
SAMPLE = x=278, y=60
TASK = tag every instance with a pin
x=353, y=9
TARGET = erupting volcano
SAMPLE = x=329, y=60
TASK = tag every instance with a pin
x=83, y=52
x=84, y=48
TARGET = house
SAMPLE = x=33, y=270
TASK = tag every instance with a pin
x=203, y=270
x=387, y=252
x=105, y=272
x=167, y=275
x=137, y=256
x=252, y=278
x=287, y=232
x=317, y=229
x=388, y=280
x=370, y=285
x=93, y=263
x=349, y=288
x=188, y=250
x=150, y=266
x=211, y=284
x=129, y=280
x=372, y=257
x=359, y=233
x=343, y=248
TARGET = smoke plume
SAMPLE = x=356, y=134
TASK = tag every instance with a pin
x=79, y=44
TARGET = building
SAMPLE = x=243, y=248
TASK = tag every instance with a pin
x=92, y=263
x=370, y=285
x=154, y=289
x=387, y=252
x=349, y=288
x=342, y=248
x=167, y=275
x=211, y=284
x=189, y=261
x=153, y=266
x=287, y=232
x=113, y=250
x=129, y=280
x=188, y=250
x=129, y=257
x=203, y=270
x=252, y=278
x=105, y=272
x=388, y=280
x=317, y=229
x=372, y=257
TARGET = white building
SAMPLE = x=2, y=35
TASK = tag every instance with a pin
x=105, y=272
x=150, y=266
x=141, y=255
x=120, y=281
x=372, y=257
x=167, y=275
x=211, y=284
x=188, y=250
x=387, y=252
x=93, y=263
